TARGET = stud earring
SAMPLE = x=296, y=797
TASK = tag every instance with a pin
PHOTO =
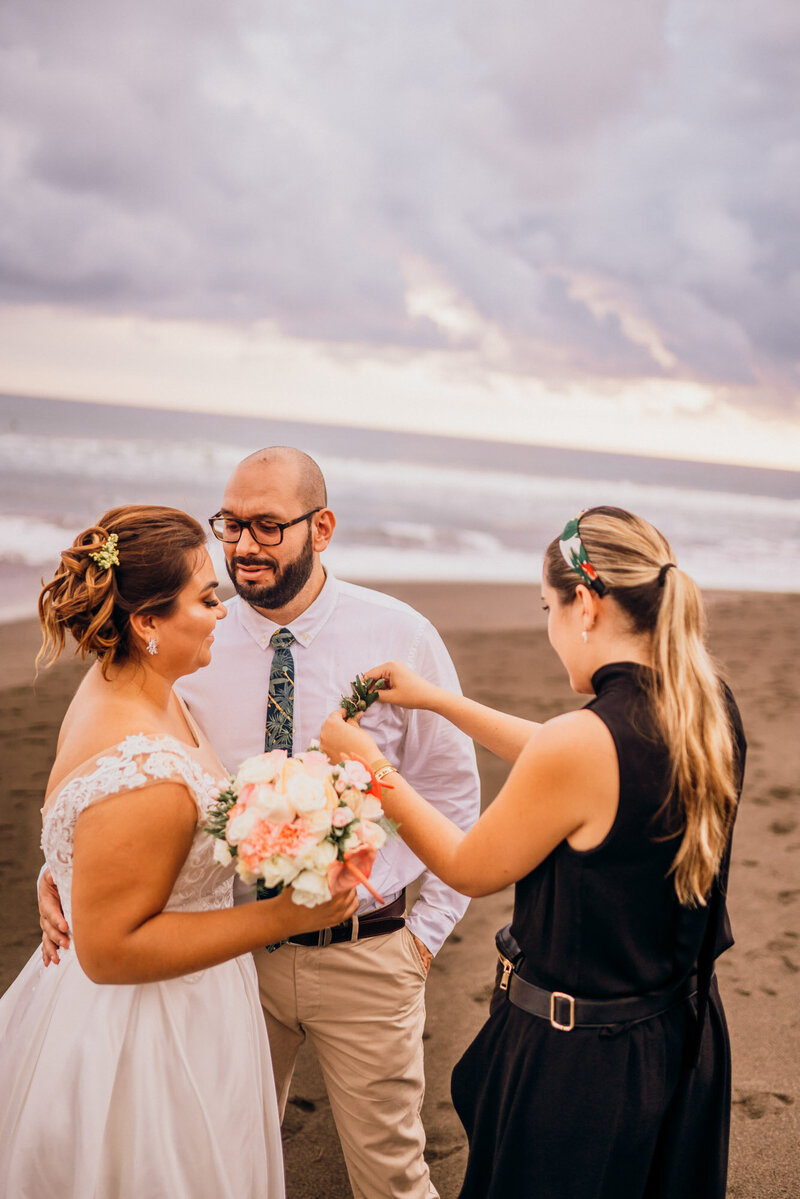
x=584, y=636
x=152, y=646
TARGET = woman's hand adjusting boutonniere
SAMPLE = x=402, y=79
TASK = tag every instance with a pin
x=341, y=738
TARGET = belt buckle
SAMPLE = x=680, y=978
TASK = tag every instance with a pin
x=555, y=1023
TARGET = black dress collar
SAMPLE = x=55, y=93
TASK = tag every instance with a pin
x=620, y=672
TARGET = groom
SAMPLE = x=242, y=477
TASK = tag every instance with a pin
x=294, y=639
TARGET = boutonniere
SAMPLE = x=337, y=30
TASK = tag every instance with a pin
x=363, y=693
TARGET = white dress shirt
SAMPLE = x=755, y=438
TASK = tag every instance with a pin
x=345, y=631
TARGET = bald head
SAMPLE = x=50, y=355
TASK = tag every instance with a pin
x=294, y=471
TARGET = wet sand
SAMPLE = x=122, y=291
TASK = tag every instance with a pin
x=496, y=636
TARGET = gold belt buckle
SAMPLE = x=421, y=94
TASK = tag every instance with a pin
x=571, y=1000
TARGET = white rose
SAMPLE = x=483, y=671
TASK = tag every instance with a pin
x=372, y=834
x=307, y=794
x=263, y=768
x=242, y=825
x=273, y=805
x=351, y=841
x=370, y=808
x=222, y=853
x=277, y=869
x=310, y=888
x=318, y=823
x=317, y=857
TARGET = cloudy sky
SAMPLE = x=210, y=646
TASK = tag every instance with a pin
x=557, y=220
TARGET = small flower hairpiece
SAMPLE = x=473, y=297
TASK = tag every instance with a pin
x=573, y=551
x=108, y=556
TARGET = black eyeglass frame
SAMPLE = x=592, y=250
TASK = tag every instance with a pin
x=282, y=526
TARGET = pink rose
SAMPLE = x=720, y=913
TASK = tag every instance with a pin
x=342, y=816
x=356, y=774
x=316, y=763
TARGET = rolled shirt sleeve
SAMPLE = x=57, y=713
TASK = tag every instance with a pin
x=439, y=762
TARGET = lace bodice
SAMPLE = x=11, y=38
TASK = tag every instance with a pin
x=139, y=760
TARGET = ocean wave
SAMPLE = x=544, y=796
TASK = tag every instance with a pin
x=115, y=458
x=31, y=541
x=446, y=487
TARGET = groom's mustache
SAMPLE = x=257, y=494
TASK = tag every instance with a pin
x=237, y=561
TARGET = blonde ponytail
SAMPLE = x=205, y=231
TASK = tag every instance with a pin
x=692, y=715
x=636, y=564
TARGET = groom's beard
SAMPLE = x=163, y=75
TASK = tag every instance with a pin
x=288, y=580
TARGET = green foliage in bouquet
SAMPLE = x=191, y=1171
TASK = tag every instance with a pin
x=364, y=692
x=217, y=818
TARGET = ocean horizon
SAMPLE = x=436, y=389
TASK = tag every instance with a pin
x=409, y=506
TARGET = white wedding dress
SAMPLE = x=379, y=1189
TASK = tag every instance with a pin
x=142, y=1091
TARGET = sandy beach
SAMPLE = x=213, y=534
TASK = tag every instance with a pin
x=496, y=636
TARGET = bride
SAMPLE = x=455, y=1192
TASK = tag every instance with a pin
x=140, y=1067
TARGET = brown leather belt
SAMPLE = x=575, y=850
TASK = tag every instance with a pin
x=374, y=924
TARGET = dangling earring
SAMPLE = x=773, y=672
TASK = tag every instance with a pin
x=152, y=646
x=584, y=636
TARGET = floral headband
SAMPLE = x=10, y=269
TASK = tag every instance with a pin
x=108, y=556
x=574, y=554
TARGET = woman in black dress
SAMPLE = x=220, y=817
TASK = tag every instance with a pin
x=603, y=1071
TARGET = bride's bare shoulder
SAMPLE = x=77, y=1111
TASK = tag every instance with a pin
x=96, y=720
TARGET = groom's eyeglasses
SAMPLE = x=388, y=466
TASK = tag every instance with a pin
x=262, y=530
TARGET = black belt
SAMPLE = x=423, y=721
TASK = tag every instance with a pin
x=565, y=1012
x=374, y=924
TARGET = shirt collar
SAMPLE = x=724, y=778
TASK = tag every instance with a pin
x=304, y=627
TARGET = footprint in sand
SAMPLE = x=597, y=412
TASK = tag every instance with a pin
x=781, y=827
x=780, y=792
x=757, y=1104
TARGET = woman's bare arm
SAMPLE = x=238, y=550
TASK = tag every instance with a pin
x=564, y=785
x=128, y=851
x=499, y=732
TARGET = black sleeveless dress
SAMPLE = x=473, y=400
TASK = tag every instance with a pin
x=637, y=1111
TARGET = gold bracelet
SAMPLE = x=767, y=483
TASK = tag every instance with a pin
x=384, y=770
x=378, y=763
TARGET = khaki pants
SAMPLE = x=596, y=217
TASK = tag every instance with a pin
x=362, y=1006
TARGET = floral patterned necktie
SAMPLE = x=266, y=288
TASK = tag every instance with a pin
x=280, y=705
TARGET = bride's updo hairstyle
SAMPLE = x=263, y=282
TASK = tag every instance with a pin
x=689, y=706
x=94, y=600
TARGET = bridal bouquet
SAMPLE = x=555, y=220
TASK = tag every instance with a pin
x=301, y=820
